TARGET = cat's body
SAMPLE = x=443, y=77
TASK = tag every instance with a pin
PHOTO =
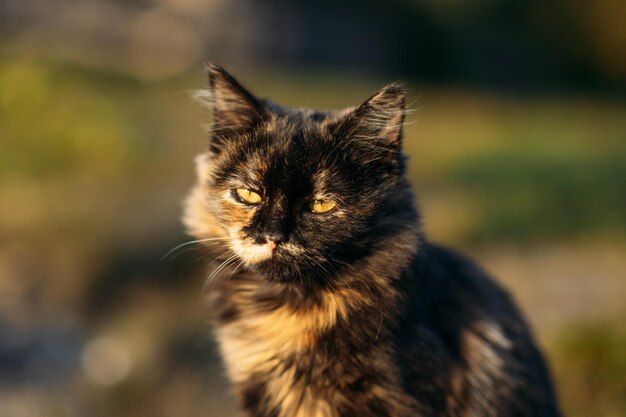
x=337, y=305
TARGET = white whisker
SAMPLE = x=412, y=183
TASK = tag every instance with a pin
x=219, y=269
x=191, y=243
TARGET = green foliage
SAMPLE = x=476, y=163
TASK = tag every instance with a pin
x=590, y=362
x=526, y=195
x=60, y=119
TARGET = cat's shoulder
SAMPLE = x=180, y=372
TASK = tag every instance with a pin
x=451, y=268
x=455, y=292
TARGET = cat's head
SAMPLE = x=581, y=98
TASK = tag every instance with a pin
x=299, y=195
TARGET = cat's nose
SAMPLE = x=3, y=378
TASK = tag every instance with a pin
x=278, y=224
x=276, y=236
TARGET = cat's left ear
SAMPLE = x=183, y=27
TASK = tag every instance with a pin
x=379, y=119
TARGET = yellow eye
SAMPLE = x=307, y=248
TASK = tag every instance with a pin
x=322, y=206
x=247, y=196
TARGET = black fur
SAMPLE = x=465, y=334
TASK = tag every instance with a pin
x=354, y=313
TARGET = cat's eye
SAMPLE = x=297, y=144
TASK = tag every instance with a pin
x=247, y=196
x=322, y=206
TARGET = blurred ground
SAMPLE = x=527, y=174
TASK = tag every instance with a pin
x=95, y=160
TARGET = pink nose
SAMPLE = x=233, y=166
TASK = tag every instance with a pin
x=271, y=244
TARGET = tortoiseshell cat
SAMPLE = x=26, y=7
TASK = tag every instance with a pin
x=338, y=305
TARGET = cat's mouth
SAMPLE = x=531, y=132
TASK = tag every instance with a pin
x=254, y=253
x=277, y=263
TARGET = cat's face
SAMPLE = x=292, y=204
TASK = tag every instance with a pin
x=299, y=195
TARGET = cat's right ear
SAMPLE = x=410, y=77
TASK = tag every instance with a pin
x=234, y=109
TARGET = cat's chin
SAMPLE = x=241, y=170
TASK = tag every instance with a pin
x=281, y=271
x=279, y=266
x=276, y=271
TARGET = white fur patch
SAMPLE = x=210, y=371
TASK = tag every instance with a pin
x=250, y=253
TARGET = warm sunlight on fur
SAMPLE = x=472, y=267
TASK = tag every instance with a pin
x=251, y=253
x=329, y=299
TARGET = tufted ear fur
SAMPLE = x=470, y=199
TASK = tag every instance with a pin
x=379, y=119
x=234, y=109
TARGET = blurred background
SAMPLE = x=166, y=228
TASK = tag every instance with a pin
x=517, y=151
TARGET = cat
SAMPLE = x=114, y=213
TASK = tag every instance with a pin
x=330, y=301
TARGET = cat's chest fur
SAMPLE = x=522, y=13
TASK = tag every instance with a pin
x=268, y=344
x=262, y=355
x=256, y=332
x=282, y=357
